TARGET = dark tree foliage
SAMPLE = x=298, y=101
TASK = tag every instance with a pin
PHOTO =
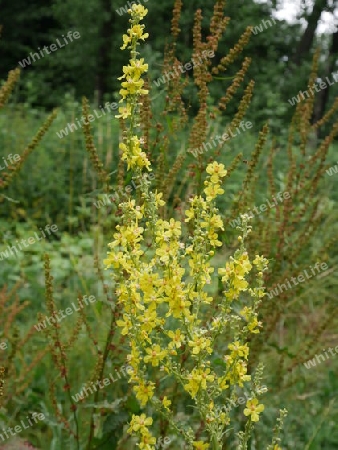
x=90, y=66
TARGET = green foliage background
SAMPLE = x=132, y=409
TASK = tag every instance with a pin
x=58, y=185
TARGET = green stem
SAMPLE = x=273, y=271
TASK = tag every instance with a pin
x=215, y=444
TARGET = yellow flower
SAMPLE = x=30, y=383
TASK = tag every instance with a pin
x=134, y=357
x=190, y=213
x=155, y=355
x=135, y=69
x=147, y=442
x=253, y=409
x=158, y=199
x=222, y=383
x=166, y=402
x=200, y=343
x=125, y=324
x=200, y=445
x=137, y=32
x=260, y=262
x=139, y=11
x=214, y=242
x=125, y=112
x=215, y=222
x=240, y=284
x=205, y=298
x=132, y=87
x=212, y=190
x=149, y=320
x=173, y=229
x=216, y=171
x=238, y=349
x=226, y=271
x=253, y=324
x=115, y=259
x=144, y=391
x=237, y=373
x=133, y=154
x=139, y=423
x=177, y=338
x=128, y=236
x=126, y=41
x=246, y=313
x=243, y=264
x=197, y=380
x=179, y=308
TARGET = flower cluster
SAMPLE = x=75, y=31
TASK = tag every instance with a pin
x=163, y=274
x=132, y=88
x=139, y=425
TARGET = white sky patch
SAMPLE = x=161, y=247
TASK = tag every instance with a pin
x=290, y=9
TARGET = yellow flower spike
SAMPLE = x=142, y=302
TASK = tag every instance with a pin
x=132, y=88
x=162, y=273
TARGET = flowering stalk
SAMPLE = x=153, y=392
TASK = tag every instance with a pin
x=164, y=297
